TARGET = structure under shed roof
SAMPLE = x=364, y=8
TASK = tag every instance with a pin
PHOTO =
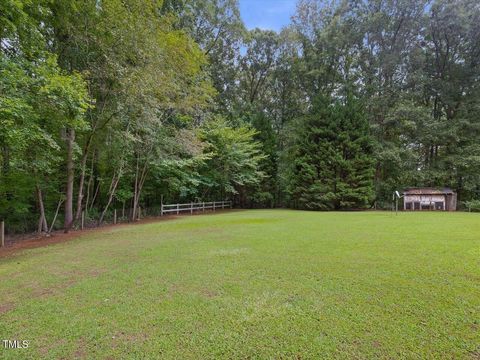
x=428, y=198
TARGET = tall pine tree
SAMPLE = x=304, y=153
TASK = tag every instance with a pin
x=332, y=164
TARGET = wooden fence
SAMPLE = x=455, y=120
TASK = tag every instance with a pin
x=194, y=206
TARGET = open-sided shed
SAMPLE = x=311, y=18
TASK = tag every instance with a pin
x=428, y=198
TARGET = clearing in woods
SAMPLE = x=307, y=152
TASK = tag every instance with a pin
x=259, y=283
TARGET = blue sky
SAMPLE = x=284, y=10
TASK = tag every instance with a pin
x=266, y=14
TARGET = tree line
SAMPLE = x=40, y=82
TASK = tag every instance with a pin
x=125, y=103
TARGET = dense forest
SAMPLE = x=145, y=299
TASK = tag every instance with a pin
x=127, y=103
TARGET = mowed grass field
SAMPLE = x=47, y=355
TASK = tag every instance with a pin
x=252, y=284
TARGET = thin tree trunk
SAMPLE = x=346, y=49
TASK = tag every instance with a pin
x=70, y=139
x=83, y=162
x=95, y=195
x=135, y=191
x=83, y=168
x=60, y=202
x=139, y=181
x=89, y=184
x=42, y=221
x=113, y=188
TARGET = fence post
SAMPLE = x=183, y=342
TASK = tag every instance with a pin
x=161, y=205
x=223, y=205
x=214, y=206
x=191, y=208
x=203, y=207
x=178, y=208
x=2, y=234
x=115, y=216
x=82, y=222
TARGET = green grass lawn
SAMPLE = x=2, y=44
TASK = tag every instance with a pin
x=252, y=284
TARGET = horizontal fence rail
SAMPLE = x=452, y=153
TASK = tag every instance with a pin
x=194, y=206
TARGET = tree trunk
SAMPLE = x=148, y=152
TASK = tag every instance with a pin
x=70, y=139
x=83, y=168
x=95, y=194
x=42, y=221
x=139, y=181
x=60, y=202
x=89, y=184
x=135, y=191
x=113, y=188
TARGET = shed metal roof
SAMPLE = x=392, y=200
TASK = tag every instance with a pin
x=428, y=191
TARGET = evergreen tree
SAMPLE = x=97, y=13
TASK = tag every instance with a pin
x=332, y=157
x=265, y=193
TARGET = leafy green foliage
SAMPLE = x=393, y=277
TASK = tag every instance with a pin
x=234, y=157
x=123, y=103
x=473, y=205
x=38, y=102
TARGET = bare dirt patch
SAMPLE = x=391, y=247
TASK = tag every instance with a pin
x=4, y=308
x=475, y=354
x=208, y=293
x=81, y=352
x=41, y=292
x=122, y=337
